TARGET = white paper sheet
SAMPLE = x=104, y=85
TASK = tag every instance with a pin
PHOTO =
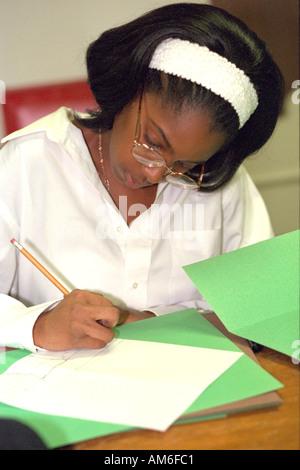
x=137, y=383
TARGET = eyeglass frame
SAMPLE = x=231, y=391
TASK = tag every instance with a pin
x=163, y=161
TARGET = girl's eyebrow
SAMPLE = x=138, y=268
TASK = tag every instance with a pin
x=169, y=146
x=160, y=130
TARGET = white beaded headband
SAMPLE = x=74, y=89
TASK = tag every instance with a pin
x=214, y=72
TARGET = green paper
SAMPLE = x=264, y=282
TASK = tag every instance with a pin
x=244, y=379
x=255, y=291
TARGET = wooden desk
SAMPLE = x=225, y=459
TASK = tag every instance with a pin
x=275, y=428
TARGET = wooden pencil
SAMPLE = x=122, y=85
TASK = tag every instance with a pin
x=40, y=267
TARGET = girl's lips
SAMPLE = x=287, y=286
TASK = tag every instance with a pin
x=130, y=181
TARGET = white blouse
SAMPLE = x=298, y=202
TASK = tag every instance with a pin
x=53, y=202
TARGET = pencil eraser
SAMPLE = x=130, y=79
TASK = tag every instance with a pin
x=12, y=241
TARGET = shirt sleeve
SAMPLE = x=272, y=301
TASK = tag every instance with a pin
x=245, y=218
x=17, y=322
x=16, y=319
x=198, y=304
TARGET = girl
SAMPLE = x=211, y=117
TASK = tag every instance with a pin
x=116, y=201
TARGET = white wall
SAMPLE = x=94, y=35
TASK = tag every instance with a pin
x=44, y=41
x=275, y=169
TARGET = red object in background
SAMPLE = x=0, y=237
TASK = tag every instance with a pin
x=26, y=105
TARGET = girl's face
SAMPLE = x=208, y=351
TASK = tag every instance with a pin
x=186, y=137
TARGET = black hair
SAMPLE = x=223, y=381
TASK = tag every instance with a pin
x=118, y=66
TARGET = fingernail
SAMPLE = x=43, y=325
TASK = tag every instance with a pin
x=103, y=323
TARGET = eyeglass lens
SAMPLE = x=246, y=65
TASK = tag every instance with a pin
x=149, y=157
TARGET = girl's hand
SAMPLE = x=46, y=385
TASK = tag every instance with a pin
x=81, y=320
x=129, y=316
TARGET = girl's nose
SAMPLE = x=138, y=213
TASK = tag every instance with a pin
x=154, y=175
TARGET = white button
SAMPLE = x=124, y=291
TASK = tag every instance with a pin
x=119, y=229
x=134, y=285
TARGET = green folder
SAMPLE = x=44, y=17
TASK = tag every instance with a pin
x=245, y=379
x=255, y=291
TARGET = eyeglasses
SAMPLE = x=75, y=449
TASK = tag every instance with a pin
x=148, y=156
